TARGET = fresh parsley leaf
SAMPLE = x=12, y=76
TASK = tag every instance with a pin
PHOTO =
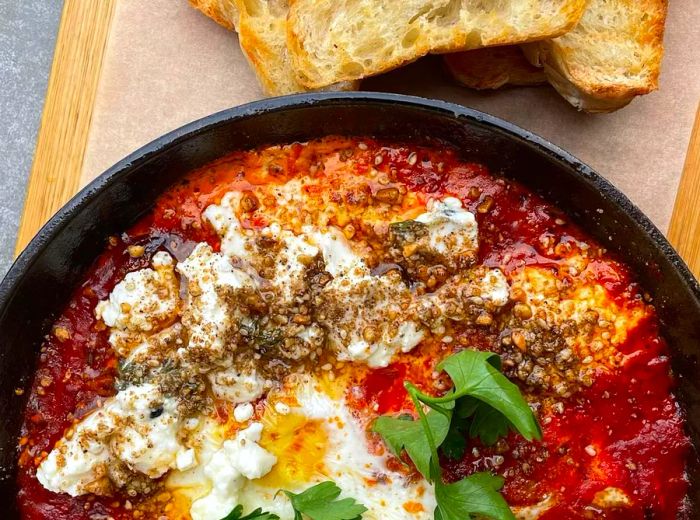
x=475, y=495
x=255, y=515
x=456, y=441
x=477, y=374
x=488, y=424
x=320, y=502
x=406, y=433
x=482, y=403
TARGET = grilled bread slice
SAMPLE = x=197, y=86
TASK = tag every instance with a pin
x=493, y=67
x=262, y=29
x=611, y=56
x=223, y=12
x=343, y=40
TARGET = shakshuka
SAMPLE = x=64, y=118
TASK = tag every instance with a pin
x=348, y=328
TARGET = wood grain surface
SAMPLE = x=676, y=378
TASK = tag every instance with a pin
x=684, y=230
x=65, y=123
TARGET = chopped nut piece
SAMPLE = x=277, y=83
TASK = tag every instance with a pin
x=249, y=202
x=485, y=205
x=388, y=195
x=369, y=334
x=349, y=231
x=136, y=251
x=484, y=319
x=519, y=340
x=61, y=333
x=522, y=311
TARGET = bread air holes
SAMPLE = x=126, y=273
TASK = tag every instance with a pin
x=447, y=14
x=352, y=68
x=409, y=39
x=369, y=48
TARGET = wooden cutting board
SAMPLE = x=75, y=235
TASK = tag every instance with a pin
x=59, y=163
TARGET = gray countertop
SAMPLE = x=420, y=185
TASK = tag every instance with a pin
x=27, y=38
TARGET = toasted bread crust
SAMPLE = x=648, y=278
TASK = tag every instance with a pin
x=262, y=29
x=629, y=50
x=601, y=67
x=261, y=26
x=493, y=67
x=222, y=12
x=328, y=44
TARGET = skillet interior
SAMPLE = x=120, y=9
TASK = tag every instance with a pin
x=47, y=271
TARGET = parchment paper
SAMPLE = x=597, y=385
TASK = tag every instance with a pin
x=166, y=65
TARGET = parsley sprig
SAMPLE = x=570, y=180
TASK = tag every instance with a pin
x=319, y=502
x=258, y=514
x=482, y=403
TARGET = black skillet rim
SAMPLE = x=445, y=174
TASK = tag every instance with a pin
x=62, y=219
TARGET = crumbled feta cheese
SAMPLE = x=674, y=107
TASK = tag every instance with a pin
x=535, y=511
x=77, y=465
x=495, y=288
x=452, y=230
x=291, y=264
x=162, y=260
x=237, y=460
x=212, y=309
x=281, y=408
x=234, y=239
x=147, y=439
x=611, y=497
x=186, y=459
x=137, y=427
x=337, y=253
x=364, y=314
x=145, y=301
x=243, y=412
x=407, y=337
x=236, y=387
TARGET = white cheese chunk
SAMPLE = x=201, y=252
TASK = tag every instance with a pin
x=243, y=412
x=212, y=309
x=291, y=263
x=235, y=241
x=611, y=497
x=144, y=302
x=337, y=253
x=534, y=511
x=185, y=459
x=238, y=460
x=137, y=427
x=236, y=387
x=452, y=230
x=495, y=288
x=147, y=439
x=77, y=465
x=365, y=319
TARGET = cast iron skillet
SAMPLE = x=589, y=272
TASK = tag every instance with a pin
x=44, y=275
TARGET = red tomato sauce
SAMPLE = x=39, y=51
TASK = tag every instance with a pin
x=629, y=415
